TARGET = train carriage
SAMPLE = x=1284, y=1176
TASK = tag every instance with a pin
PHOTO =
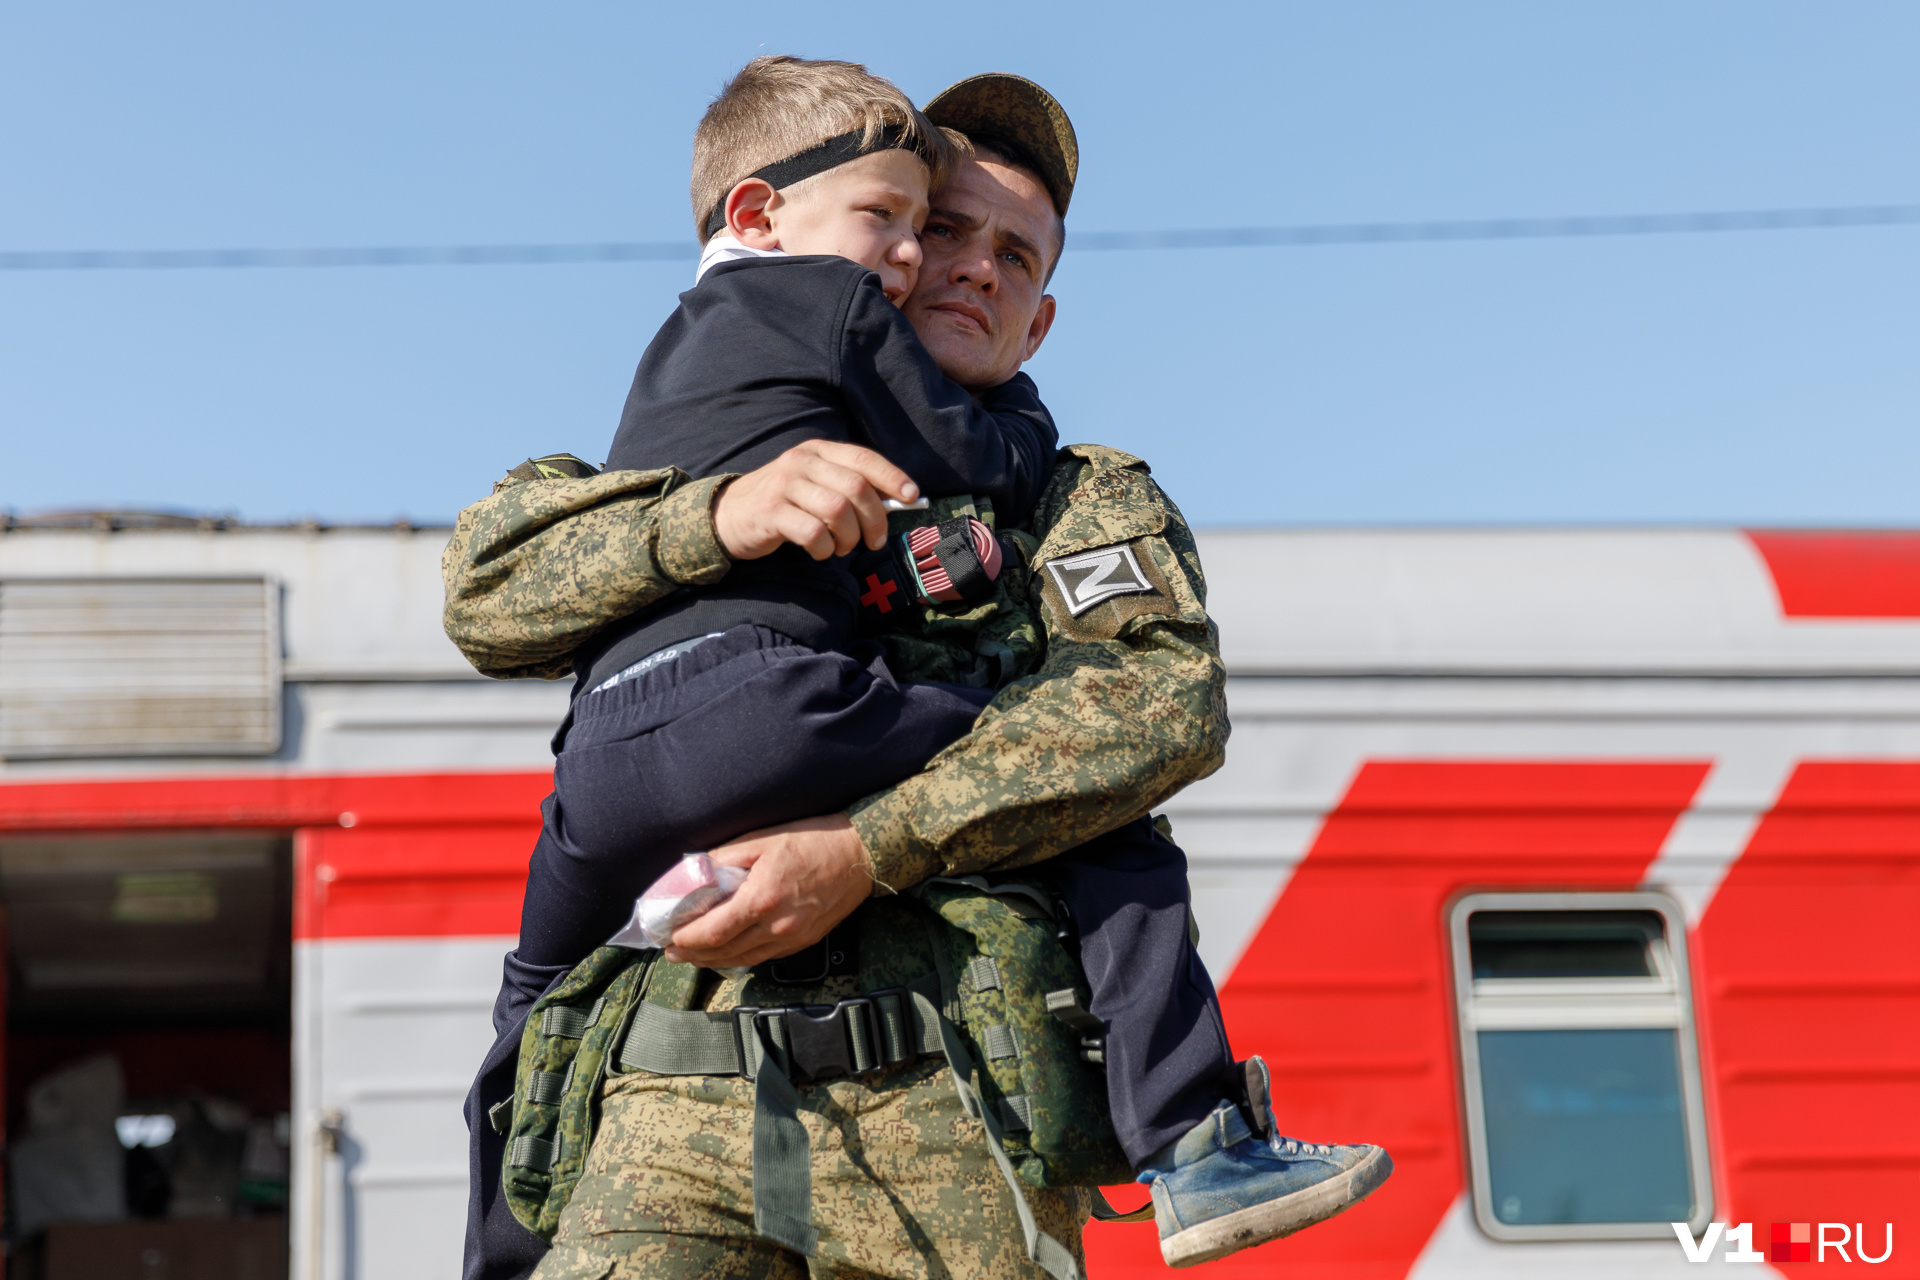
x=1579, y=868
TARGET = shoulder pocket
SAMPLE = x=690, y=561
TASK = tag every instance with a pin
x=1109, y=553
x=1114, y=499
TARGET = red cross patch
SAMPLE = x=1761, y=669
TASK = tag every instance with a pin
x=877, y=593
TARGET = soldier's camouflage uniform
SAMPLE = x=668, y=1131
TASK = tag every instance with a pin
x=1098, y=718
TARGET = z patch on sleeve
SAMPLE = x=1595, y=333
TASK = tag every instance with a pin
x=1093, y=593
x=1084, y=580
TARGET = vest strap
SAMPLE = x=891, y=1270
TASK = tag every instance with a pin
x=782, y=1158
x=808, y=1042
x=532, y=1153
x=984, y=973
x=569, y=1022
x=548, y=1088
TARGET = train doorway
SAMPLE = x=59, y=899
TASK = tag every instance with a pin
x=148, y=1053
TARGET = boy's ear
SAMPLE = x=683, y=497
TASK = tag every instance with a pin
x=747, y=208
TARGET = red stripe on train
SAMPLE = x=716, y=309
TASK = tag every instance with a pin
x=378, y=856
x=1843, y=575
x=1344, y=988
x=1808, y=964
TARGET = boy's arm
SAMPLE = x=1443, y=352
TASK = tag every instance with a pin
x=1129, y=707
x=536, y=569
x=1000, y=446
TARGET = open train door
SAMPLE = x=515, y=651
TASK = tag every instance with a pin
x=256, y=1003
x=147, y=1051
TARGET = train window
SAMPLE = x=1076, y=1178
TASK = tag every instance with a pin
x=1578, y=1061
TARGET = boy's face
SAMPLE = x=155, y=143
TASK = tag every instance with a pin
x=869, y=209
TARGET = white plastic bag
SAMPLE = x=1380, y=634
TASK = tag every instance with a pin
x=695, y=886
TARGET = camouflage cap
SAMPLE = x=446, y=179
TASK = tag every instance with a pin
x=1018, y=113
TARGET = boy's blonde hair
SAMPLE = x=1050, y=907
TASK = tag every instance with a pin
x=778, y=106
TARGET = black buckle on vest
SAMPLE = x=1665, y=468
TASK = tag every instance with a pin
x=817, y=1042
x=813, y=1042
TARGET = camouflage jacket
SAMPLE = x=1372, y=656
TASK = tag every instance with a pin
x=1111, y=689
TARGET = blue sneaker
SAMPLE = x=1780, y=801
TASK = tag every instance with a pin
x=1221, y=1188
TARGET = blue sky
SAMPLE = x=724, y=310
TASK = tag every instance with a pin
x=1752, y=378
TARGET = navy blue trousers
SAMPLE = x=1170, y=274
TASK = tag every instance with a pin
x=748, y=730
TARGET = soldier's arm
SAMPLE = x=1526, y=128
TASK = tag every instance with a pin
x=1128, y=708
x=560, y=550
x=534, y=570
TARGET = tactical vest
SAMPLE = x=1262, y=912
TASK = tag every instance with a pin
x=988, y=639
x=974, y=970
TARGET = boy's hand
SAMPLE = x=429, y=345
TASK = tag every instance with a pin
x=819, y=495
x=804, y=878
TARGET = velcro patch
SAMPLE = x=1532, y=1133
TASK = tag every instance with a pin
x=1093, y=593
x=1084, y=580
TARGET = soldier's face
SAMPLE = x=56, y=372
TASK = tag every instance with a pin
x=981, y=305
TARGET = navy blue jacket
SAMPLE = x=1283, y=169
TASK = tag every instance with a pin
x=765, y=353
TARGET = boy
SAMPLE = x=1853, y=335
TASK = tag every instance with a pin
x=752, y=702
x=701, y=717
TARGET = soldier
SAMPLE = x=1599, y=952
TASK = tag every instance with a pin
x=1119, y=705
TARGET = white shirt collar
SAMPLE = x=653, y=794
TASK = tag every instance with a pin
x=724, y=248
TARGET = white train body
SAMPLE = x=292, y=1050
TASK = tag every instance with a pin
x=1727, y=722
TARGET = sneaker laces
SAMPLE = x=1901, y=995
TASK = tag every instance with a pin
x=1294, y=1147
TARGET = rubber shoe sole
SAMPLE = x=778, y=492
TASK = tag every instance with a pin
x=1257, y=1224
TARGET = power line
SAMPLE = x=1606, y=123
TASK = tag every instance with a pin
x=1294, y=237
x=1642, y=224
x=472, y=255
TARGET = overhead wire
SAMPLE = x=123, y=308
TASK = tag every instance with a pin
x=1309, y=235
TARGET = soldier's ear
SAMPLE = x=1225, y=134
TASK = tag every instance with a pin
x=1037, y=330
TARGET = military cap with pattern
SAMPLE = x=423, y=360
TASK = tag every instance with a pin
x=1014, y=110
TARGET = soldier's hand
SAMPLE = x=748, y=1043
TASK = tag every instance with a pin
x=820, y=495
x=804, y=878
